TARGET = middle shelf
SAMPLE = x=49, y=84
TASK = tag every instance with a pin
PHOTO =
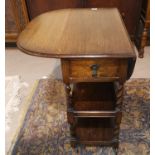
x=93, y=97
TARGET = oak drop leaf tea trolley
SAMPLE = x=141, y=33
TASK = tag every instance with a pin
x=97, y=57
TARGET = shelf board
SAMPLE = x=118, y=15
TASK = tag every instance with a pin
x=86, y=114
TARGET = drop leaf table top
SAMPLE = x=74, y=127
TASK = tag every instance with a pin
x=77, y=33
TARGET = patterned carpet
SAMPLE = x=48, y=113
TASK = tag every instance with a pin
x=45, y=130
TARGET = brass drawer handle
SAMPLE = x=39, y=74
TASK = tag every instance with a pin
x=94, y=69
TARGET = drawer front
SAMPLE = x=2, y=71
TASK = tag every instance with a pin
x=91, y=70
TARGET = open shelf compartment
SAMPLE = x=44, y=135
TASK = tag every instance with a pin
x=93, y=96
x=95, y=129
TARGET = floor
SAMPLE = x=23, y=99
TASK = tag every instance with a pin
x=31, y=68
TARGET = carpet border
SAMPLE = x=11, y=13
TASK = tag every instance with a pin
x=26, y=103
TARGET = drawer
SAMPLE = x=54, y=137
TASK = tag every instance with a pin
x=93, y=68
x=89, y=70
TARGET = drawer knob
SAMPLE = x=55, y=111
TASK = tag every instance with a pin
x=94, y=69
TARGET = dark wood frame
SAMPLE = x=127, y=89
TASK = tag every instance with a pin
x=21, y=19
x=143, y=30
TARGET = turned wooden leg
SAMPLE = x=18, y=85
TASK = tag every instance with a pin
x=73, y=126
x=143, y=42
x=146, y=31
x=116, y=131
x=141, y=52
x=70, y=116
x=73, y=133
x=119, y=90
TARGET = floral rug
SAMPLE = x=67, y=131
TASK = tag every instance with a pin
x=45, y=130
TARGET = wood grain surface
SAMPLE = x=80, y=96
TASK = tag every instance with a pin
x=70, y=33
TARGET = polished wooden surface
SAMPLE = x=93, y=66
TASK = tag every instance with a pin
x=106, y=68
x=129, y=9
x=26, y=10
x=110, y=69
x=77, y=33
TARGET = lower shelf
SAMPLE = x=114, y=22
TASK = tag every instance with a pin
x=95, y=129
